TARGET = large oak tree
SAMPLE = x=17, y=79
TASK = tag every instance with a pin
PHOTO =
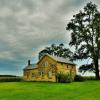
x=57, y=50
x=85, y=36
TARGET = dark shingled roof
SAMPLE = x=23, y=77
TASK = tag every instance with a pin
x=31, y=66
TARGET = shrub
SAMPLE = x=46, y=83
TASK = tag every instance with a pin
x=78, y=78
x=63, y=78
x=88, y=77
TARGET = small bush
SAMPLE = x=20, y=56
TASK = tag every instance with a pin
x=63, y=78
x=78, y=78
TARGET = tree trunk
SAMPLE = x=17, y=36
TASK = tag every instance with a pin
x=96, y=69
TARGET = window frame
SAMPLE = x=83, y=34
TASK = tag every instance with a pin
x=50, y=74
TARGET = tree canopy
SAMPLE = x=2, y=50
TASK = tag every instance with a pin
x=85, y=36
x=57, y=50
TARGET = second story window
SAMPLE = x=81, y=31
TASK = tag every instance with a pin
x=46, y=64
x=62, y=65
x=42, y=64
x=72, y=67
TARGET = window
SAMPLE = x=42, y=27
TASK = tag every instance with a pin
x=33, y=75
x=53, y=68
x=52, y=65
x=50, y=74
x=27, y=74
x=62, y=65
x=46, y=64
x=72, y=66
x=39, y=73
x=67, y=66
x=42, y=64
x=42, y=74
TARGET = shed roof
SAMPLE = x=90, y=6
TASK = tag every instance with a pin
x=31, y=66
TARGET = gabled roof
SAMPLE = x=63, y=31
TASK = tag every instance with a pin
x=31, y=66
x=58, y=59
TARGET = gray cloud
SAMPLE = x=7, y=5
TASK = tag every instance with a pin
x=26, y=26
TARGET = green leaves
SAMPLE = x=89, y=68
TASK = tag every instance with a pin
x=87, y=67
x=85, y=36
x=85, y=30
x=90, y=8
x=57, y=50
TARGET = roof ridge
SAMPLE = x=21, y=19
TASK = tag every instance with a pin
x=61, y=59
x=58, y=57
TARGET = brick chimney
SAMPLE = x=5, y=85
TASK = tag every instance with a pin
x=29, y=62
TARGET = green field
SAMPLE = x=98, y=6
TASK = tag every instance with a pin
x=89, y=90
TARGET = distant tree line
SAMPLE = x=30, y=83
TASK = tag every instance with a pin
x=8, y=76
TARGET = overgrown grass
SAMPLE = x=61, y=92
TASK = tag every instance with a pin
x=88, y=90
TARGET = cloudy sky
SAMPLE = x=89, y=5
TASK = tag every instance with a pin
x=27, y=26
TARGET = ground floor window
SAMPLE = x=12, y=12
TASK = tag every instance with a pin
x=33, y=75
x=27, y=74
x=42, y=74
x=50, y=74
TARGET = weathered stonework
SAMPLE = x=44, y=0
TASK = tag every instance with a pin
x=46, y=69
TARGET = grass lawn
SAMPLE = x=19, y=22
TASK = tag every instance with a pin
x=89, y=90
